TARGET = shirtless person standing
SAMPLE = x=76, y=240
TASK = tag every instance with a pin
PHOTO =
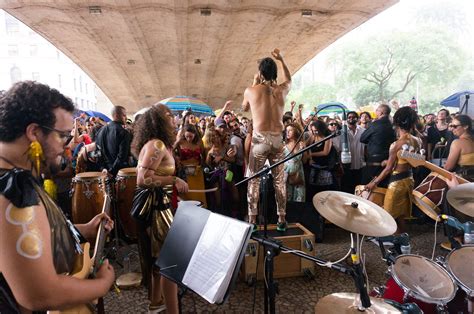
x=266, y=100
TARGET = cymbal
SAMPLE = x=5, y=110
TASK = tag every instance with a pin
x=338, y=303
x=462, y=198
x=354, y=213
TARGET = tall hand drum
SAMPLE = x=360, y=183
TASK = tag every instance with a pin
x=429, y=195
x=126, y=182
x=87, y=196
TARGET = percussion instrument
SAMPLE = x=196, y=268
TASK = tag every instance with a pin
x=87, y=196
x=429, y=195
x=377, y=195
x=125, y=184
x=129, y=280
x=354, y=213
x=337, y=303
x=419, y=280
x=457, y=263
x=462, y=198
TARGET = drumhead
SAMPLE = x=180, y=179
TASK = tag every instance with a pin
x=424, y=279
x=88, y=175
x=458, y=262
x=127, y=172
x=129, y=280
x=191, y=202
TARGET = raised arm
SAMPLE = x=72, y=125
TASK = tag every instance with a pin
x=286, y=73
x=245, y=102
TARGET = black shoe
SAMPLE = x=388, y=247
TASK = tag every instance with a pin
x=282, y=226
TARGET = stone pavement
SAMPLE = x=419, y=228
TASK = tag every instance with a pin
x=298, y=294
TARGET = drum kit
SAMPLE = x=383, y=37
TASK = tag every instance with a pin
x=417, y=284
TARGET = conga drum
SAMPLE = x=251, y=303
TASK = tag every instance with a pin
x=125, y=184
x=376, y=196
x=429, y=195
x=87, y=196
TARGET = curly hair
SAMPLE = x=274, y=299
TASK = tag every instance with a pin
x=29, y=102
x=296, y=129
x=405, y=118
x=153, y=124
x=268, y=69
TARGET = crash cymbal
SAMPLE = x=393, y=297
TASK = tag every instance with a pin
x=354, y=213
x=339, y=303
x=462, y=198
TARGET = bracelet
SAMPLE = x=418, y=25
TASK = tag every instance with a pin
x=174, y=180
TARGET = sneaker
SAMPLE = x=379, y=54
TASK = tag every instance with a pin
x=154, y=309
x=282, y=226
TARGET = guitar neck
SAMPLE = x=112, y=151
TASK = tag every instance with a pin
x=445, y=173
x=101, y=236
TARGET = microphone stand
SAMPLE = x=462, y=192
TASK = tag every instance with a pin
x=272, y=247
x=466, y=101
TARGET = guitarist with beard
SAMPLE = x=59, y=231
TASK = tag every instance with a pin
x=38, y=245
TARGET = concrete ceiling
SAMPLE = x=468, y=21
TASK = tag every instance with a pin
x=141, y=51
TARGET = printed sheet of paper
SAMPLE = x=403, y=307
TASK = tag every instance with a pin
x=213, y=262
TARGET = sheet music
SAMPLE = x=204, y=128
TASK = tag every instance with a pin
x=213, y=262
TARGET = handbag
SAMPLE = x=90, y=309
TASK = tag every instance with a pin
x=295, y=178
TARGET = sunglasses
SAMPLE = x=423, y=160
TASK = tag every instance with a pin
x=64, y=135
x=333, y=124
x=454, y=126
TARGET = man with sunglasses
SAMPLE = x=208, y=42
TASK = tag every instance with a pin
x=353, y=174
x=38, y=244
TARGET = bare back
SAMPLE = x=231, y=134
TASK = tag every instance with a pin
x=266, y=105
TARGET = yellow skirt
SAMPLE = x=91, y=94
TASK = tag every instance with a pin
x=398, y=198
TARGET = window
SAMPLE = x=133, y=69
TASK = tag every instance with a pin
x=80, y=84
x=58, y=54
x=76, y=102
x=15, y=74
x=59, y=81
x=86, y=88
x=75, y=87
x=35, y=76
x=13, y=50
x=12, y=25
x=33, y=50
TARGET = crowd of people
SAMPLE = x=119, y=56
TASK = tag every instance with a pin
x=186, y=155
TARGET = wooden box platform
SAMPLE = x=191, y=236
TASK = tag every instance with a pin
x=285, y=264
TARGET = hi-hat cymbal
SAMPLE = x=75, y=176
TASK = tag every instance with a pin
x=354, y=213
x=462, y=198
x=340, y=303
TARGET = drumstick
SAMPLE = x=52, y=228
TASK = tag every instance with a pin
x=203, y=191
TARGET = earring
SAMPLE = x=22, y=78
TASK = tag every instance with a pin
x=35, y=154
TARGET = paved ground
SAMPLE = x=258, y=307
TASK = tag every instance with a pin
x=298, y=294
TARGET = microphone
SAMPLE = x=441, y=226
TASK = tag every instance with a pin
x=467, y=228
x=346, y=157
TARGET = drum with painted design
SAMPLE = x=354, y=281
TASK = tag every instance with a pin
x=87, y=196
x=429, y=195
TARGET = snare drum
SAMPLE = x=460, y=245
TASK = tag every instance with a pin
x=419, y=280
x=125, y=184
x=87, y=196
x=376, y=196
x=429, y=195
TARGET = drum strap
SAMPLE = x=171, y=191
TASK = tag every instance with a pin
x=400, y=176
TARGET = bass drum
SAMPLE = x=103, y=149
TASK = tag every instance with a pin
x=87, y=196
x=376, y=196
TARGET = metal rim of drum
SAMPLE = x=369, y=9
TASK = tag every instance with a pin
x=468, y=290
x=417, y=295
x=88, y=177
x=127, y=172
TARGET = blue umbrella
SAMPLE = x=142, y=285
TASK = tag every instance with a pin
x=181, y=103
x=97, y=114
x=455, y=99
x=330, y=107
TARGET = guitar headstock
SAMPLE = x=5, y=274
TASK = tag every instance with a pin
x=414, y=159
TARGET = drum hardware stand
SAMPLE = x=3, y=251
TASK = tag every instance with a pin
x=271, y=246
x=398, y=241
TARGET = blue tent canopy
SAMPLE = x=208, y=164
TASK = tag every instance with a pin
x=181, y=103
x=455, y=99
x=330, y=107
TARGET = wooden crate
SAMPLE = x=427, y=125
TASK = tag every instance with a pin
x=285, y=264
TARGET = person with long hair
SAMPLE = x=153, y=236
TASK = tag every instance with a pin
x=190, y=155
x=398, y=198
x=461, y=153
x=152, y=146
x=295, y=183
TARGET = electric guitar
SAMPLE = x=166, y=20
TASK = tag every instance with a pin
x=85, y=265
x=416, y=160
